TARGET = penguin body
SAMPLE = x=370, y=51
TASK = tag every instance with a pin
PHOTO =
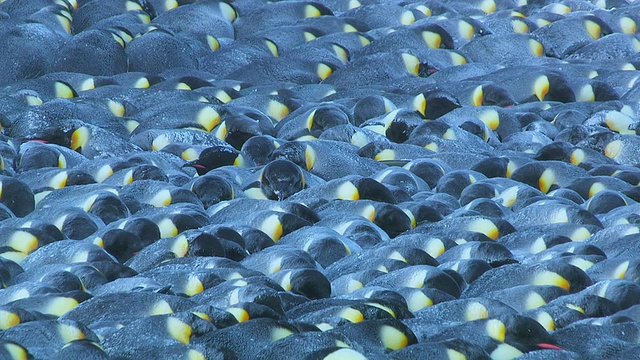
x=35, y=155
x=553, y=211
x=402, y=178
x=609, y=339
x=266, y=70
x=561, y=38
x=98, y=200
x=526, y=142
x=431, y=277
x=527, y=297
x=388, y=217
x=581, y=156
x=50, y=179
x=14, y=292
x=374, y=69
x=543, y=175
x=190, y=243
x=481, y=250
x=93, y=141
x=93, y=52
x=17, y=196
x=78, y=252
x=458, y=311
x=321, y=158
x=358, y=262
x=503, y=49
x=528, y=242
x=140, y=304
x=51, y=334
x=377, y=15
x=194, y=115
x=441, y=349
x=311, y=121
x=485, y=228
x=17, y=42
x=213, y=189
x=382, y=151
x=136, y=283
x=246, y=299
x=510, y=334
x=275, y=259
x=554, y=273
x=363, y=232
x=148, y=52
x=212, y=19
x=51, y=305
x=347, y=188
x=378, y=337
x=259, y=149
x=314, y=341
x=264, y=332
x=323, y=244
x=158, y=193
x=601, y=48
x=159, y=332
x=81, y=348
x=280, y=14
x=155, y=139
x=89, y=13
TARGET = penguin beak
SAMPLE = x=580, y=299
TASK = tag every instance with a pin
x=192, y=164
x=549, y=346
x=201, y=169
x=280, y=194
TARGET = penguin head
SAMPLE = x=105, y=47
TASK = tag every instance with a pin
x=293, y=151
x=214, y=157
x=526, y=334
x=559, y=89
x=212, y=190
x=327, y=117
x=259, y=149
x=280, y=179
x=493, y=94
x=558, y=150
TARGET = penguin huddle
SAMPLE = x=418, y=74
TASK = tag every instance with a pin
x=329, y=179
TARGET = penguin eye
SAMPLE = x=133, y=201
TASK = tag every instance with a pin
x=483, y=32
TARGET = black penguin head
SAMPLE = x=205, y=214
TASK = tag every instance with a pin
x=433, y=104
x=559, y=89
x=293, y=151
x=327, y=117
x=493, y=94
x=492, y=167
x=526, y=334
x=280, y=179
x=37, y=157
x=558, y=150
x=205, y=245
x=149, y=172
x=214, y=157
x=212, y=189
x=259, y=149
x=63, y=281
x=241, y=128
x=121, y=244
x=370, y=107
x=604, y=91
